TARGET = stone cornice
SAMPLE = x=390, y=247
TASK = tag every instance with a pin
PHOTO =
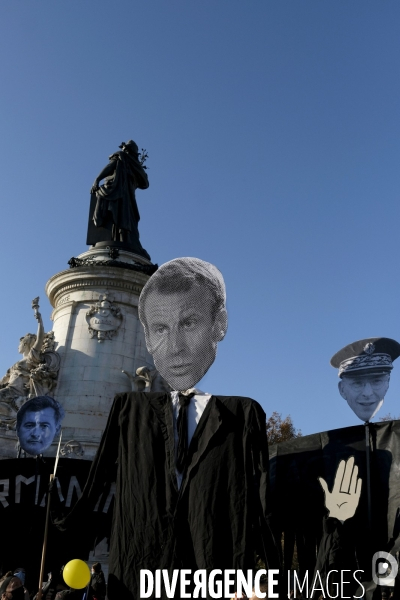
x=88, y=277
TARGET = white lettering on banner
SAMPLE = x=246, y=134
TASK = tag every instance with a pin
x=18, y=480
x=4, y=491
x=60, y=494
x=73, y=485
x=110, y=497
x=59, y=491
x=107, y=503
x=23, y=498
x=96, y=508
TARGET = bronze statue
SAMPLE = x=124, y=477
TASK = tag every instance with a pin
x=114, y=215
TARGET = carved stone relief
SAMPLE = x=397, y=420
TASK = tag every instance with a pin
x=72, y=448
x=104, y=318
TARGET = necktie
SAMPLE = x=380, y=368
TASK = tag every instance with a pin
x=182, y=426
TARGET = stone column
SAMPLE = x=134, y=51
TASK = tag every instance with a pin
x=98, y=335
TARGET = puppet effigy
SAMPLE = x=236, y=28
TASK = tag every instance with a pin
x=303, y=473
x=191, y=468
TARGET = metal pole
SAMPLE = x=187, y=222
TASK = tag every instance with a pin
x=367, y=457
x=46, y=527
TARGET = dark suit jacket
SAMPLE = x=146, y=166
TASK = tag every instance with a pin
x=217, y=519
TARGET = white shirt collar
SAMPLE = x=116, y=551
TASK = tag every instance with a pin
x=193, y=390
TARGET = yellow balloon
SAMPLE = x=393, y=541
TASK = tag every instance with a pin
x=76, y=574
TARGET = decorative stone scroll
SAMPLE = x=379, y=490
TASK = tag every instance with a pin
x=103, y=318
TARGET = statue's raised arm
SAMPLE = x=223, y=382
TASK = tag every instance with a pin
x=114, y=215
x=35, y=374
x=37, y=346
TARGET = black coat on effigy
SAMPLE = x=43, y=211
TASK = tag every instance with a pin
x=219, y=516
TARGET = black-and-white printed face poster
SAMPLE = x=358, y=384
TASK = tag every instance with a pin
x=38, y=423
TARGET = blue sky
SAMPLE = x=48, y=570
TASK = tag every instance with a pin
x=273, y=135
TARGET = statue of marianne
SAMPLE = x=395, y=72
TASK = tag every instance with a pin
x=34, y=375
x=14, y=386
x=114, y=215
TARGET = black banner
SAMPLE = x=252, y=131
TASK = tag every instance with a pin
x=23, y=495
x=298, y=499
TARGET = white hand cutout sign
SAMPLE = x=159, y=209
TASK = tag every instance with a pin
x=343, y=500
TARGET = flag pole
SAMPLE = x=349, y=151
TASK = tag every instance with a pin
x=46, y=526
x=367, y=456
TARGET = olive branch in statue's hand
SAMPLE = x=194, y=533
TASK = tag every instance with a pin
x=343, y=500
x=143, y=156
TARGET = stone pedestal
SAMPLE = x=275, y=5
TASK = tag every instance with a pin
x=98, y=335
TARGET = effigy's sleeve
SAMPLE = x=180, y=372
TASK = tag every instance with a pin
x=85, y=518
x=269, y=544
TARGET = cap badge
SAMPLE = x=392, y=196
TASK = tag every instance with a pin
x=369, y=348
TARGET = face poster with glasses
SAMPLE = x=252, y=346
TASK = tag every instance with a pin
x=38, y=423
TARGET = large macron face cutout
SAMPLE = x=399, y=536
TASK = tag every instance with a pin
x=364, y=393
x=182, y=309
x=182, y=334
